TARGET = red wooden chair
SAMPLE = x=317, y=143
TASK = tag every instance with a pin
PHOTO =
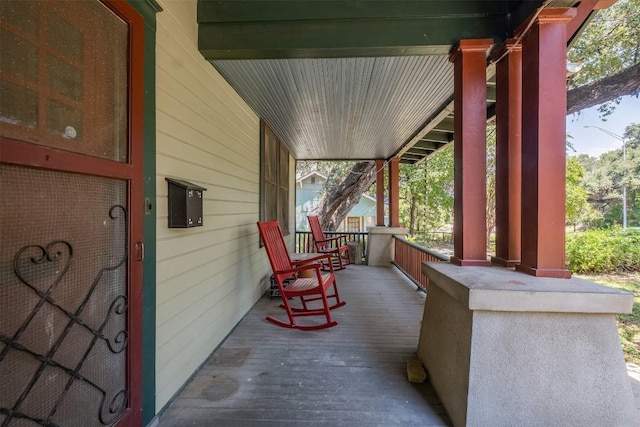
x=307, y=289
x=336, y=246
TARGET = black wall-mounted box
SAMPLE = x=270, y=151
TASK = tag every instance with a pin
x=185, y=204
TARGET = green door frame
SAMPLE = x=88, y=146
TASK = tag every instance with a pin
x=148, y=10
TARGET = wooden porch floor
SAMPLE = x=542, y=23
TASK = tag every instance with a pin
x=351, y=375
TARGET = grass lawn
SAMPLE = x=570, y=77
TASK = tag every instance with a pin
x=628, y=324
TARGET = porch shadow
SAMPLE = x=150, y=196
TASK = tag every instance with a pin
x=353, y=374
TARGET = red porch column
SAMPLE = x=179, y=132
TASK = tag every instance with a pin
x=470, y=151
x=544, y=106
x=380, y=193
x=394, y=192
x=508, y=153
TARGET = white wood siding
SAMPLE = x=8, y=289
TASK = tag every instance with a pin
x=207, y=277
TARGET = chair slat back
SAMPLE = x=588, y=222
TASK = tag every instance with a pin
x=273, y=241
x=316, y=231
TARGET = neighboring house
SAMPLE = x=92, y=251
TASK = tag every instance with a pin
x=309, y=190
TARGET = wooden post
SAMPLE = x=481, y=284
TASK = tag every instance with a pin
x=508, y=153
x=470, y=152
x=380, y=193
x=394, y=192
x=544, y=106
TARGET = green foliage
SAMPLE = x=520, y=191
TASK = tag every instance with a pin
x=603, y=251
x=491, y=185
x=576, y=196
x=628, y=324
x=608, y=45
x=439, y=206
x=413, y=193
x=426, y=194
x=604, y=178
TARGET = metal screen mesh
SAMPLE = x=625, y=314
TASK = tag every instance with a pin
x=63, y=298
x=64, y=76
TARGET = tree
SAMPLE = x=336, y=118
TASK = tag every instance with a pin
x=609, y=51
x=439, y=200
x=605, y=176
x=335, y=204
x=413, y=189
x=576, y=198
x=626, y=82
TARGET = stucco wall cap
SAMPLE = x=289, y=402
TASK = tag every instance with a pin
x=502, y=289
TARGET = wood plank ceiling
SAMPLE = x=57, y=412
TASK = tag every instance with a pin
x=365, y=79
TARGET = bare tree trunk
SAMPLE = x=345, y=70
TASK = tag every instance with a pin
x=335, y=204
x=412, y=215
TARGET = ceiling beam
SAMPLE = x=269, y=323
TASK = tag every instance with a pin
x=418, y=152
x=446, y=125
x=300, y=10
x=491, y=93
x=439, y=137
x=343, y=38
x=429, y=145
x=411, y=156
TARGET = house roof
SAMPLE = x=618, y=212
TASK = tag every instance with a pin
x=319, y=175
x=310, y=174
x=353, y=80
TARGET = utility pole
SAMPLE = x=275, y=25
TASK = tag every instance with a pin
x=624, y=160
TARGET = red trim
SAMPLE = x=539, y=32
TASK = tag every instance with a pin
x=505, y=262
x=380, y=193
x=394, y=192
x=470, y=98
x=584, y=9
x=136, y=153
x=544, y=272
x=26, y=154
x=469, y=45
x=550, y=15
x=556, y=15
x=544, y=106
x=508, y=154
x=470, y=262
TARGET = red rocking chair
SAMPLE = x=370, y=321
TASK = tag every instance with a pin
x=336, y=246
x=307, y=289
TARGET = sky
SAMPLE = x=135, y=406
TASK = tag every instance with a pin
x=594, y=142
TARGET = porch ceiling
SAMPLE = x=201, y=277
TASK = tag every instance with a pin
x=365, y=79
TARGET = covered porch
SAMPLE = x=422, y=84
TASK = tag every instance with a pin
x=354, y=374
x=222, y=92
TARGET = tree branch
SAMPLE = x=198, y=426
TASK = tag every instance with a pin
x=626, y=82
x=335, y=205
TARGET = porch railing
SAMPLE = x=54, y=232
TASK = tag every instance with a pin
x=408, y=257
x=304, y=241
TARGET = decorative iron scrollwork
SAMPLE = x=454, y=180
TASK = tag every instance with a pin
x=58, y=256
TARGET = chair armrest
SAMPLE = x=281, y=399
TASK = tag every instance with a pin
x=318, y=260
x=291, y=271
x=319, y=257
x=336, y=240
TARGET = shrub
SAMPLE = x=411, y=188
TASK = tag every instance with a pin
x=603, y=251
